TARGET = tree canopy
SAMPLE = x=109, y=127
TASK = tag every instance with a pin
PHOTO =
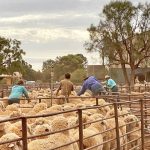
x=62, y=65
x=11, y=60
x=122, y=36
x=10, y=54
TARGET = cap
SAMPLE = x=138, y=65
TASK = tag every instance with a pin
x=107, y=76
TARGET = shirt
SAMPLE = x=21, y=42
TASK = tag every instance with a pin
x=66, y=86
x=110, y=83
x=88, y=83
x=18, y=91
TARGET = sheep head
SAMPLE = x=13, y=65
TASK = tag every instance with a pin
x=132, y=122
x=59, y=123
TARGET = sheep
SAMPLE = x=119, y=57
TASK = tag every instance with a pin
x=39, y=121
x=12, y=107
x=16, y=114
x=100, y=102
x=16, y=128
x=69, y=104
x=2, y=107
x=72, y=121
x=75, y=101
x=54, y=140
x=69, y=114
x=122, y=126
x=86, y=119
x=87, y=103
x=61, y=100
x=31, y=113
x=80, y=105
x=10, y=146
x=103, y=110
x=41, y=129
x=5, y=101
x=50, y=110
x=132, y=125
x=2, y=126
x=39, y=107
x=93, y=129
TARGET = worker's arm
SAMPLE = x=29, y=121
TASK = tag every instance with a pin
x=59, y=88
x=25, y=92
x=83, y=89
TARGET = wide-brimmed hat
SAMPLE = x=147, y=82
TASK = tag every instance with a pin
x=107, y=76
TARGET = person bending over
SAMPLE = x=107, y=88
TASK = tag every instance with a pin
x=92, y=84
x=17, y=92
x=111, y=84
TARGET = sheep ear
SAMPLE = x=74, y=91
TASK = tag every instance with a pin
x=11, y=145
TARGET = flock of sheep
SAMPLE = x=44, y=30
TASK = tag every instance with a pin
x=103, y=126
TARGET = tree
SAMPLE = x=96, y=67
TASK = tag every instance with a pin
x=78, y=75
x=10, y=54
x=123, y=35
x=64, y=64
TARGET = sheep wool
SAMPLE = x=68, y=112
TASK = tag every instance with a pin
x=10, y=146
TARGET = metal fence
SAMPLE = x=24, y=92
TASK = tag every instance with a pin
x=5, y=90
x=138, y=104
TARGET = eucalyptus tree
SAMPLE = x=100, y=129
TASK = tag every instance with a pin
x=122, y=36
x=10, y=54
x=64, y=64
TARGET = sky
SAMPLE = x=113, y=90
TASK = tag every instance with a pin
x=51, y=28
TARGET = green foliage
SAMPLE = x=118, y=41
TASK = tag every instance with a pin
x=11, y=60
x=62, y=65
x=10, y=54
x=78, y=75
x=123, y=35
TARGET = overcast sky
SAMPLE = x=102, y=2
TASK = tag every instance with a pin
x=51, y=28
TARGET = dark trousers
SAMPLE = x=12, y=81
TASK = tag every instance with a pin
x=114, y=89
x=13, y=100
x=97, y=89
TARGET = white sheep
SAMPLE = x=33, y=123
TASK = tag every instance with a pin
x=132, y=125
x=41, y=129
x=2, y=107
x=93, y=129
x=39, y=107
x=68, y=114
x=10, y=146
x=12, y=107
x=39, y=121
x=16, y=128
x=54, y=140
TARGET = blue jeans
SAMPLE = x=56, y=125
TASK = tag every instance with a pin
x=13, y=100
x=97, y=89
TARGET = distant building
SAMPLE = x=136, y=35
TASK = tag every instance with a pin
x=99, y=71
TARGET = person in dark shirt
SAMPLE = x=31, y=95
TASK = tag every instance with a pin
x=92, y=84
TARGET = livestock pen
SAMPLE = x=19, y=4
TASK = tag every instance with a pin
x=137, y=104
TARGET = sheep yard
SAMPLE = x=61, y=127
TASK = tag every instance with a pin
x=107, y=122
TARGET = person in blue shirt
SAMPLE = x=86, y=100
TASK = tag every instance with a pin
x=111, y=84
x=17, y=92
x=92, y=84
